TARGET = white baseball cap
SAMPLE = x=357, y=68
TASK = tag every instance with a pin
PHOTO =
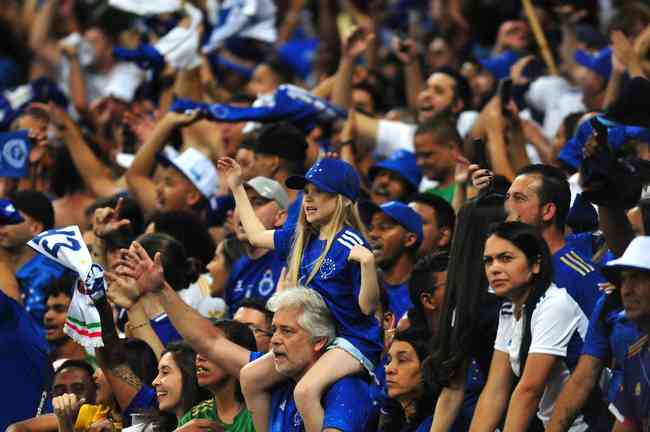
x=197, y=168
x=635, y=257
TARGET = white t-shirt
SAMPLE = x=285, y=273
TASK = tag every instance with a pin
x=556, y=321
x=395, y=135
x=554, y=96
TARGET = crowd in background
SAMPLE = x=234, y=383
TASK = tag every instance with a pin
x=338, y=215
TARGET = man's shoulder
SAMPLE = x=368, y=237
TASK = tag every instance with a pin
x=350, y=388
x=570, y=263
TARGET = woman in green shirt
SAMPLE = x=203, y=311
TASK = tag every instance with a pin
x=226, y=407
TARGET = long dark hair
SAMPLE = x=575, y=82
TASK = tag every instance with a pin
x=529, y=240
x=466, y=294
x=180, y=271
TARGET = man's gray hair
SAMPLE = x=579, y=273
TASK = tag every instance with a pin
x=314, y=317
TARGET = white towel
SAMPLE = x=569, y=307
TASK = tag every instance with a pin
x=180, y=46
x=148, y=7
x=67, y=247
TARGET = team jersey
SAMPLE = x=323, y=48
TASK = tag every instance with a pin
x=253, y=19
x=339, y=282
x=632, y=405
x=351, y=405
x=164, y=329
x=608, y=339
x=578, y=275
x=558, y=327
x=33, y=277
x=253, y=278
x=144, y=400
x=25, y=370
x=287, y=103
x=243, y=421
x=399, y=301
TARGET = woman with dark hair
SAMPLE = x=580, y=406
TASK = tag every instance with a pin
x=411, y=397
x=469, y=315
x=227, y=406
x=177, y=389
x=228, y=252
x=540, y=333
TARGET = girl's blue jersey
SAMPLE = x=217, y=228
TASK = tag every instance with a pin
x=339, y=282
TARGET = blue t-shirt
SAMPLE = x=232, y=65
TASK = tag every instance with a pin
x=351, y=405
x=253, y=278
x=25, y=370
x=633, y=398
x=399, y=301
x=610, y=339
x=339, y=282
x=164, y=329
x=578, y=276
x=144, y=400
x=33, y=277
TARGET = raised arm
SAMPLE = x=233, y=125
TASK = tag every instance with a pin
x=195, y=329
x=258, y=235
x=494, y=398
x=92, y=170
x=354, y=44
x=138, y=176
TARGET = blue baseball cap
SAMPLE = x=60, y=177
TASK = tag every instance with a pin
x=617, y=135
x=499, y=65
x=402, y=162
x=401, y=213
x=600, y=62
x=329, y=175
x=9, y=215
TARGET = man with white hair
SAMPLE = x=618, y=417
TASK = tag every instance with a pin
x=302, y=330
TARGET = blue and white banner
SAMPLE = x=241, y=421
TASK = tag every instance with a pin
x=67, y=247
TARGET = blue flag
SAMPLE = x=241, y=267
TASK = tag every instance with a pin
x=14, y=154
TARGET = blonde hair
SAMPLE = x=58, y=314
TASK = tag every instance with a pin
x=345, y=214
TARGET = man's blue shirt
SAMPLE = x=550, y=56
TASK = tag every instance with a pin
x=578, y=276
x=25, y=370
x=351, y=405
x=253, y=278
x=633, y=398
x=608, y=339
x=399, y=301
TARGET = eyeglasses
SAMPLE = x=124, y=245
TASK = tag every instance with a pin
x=260, y=332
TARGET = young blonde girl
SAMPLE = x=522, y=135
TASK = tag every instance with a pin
x=325, y=251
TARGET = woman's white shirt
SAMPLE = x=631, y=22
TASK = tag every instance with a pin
x=557, y=326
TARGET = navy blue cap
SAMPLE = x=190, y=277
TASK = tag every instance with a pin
x=600, y=62
x=402, y=214
x=9, y=215
x=402, y=162
x=329, y=175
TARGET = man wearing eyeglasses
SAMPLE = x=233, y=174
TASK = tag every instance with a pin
x=253, y=312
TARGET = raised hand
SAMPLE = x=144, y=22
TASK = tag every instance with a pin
x=107, y=220
x=481, y=177
x=136, y=264
x=356, y=42
x=66, y=408
x=230, y=170
x=405, y=50
x=183, y=118
x=361, y=254
x=122, y=290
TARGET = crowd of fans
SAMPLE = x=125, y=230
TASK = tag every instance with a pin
x=377, y=216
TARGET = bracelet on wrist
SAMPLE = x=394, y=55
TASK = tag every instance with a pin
x=137, y=326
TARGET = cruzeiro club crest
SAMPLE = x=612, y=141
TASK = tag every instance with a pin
x=15, y=152
x=328, y=268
